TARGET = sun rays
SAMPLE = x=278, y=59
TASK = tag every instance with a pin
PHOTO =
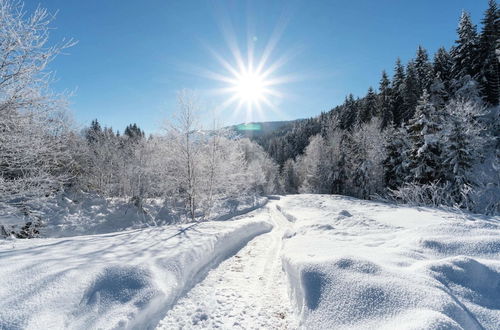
x=250, y=91
x=250, y=79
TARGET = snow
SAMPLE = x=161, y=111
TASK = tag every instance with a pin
x=301, y=261
x=360, y=264
x=247, y=291
x=72, y=214
x=126, y=279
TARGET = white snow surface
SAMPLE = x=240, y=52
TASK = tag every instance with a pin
x=126, y=279
x=302, y=261
x=355, y=264
x=74, y=214
x=247, y=291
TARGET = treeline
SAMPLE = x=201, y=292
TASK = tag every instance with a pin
x=190, y=168
x=42, y=155
x=426, y=136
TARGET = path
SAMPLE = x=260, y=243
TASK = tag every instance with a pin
x=246, y=291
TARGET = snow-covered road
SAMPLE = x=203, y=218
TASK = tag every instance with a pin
x=246, y=291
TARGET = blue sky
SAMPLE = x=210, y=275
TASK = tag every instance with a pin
x=132, y=57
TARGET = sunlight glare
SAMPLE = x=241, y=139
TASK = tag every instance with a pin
x=250, y=87
x=251, y=82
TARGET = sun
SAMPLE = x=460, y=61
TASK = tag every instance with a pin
x=250, y=78
x=250, y=87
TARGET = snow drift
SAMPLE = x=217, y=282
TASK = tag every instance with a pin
x=73, y=214
x=359, y=264
x=126, y=279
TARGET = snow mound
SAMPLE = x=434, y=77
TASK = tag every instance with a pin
x=128, y=279
x=114, y=292
x=390, y=267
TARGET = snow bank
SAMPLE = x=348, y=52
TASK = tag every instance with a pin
x=360, y=264
x=127, y=279
x=90, y=214
x=229, y=208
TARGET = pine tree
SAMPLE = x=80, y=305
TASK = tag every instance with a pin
x=423, y=70
x=458, y=159
x=384, y=101
x=349, y=114
x=437, y=93
x=289, y=178
x=489, y=74
x=464, y=143
x=395, y=163
x=397, y=147
x=368, y=107
x=443, y=63
x=133, y=132
x=411, y=92
x=94, y=132
x=425, y=159
x=465, y=52
x=398, y=85
x=467, y=89
x=338, y=176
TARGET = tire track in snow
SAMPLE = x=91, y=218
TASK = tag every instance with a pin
x=246, y=291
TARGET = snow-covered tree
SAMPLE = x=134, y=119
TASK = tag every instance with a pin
x=102, y=162
x=423, y=69
x=437, y=93
x=368, y=107
x=289, y=179
x=133, y=132
x=314, y=167
x=183, y=133
x=34, y=158
x=489, y=64
x=442, y=66
x=395, y=165
x=336, y=152
x=349, y=113
x=261, y=172
x=464, y=143
x=365, y=160
x=223, y=170
x=464, y=52
x=467, y=88
x=384, y=101
x=398, y=87
x=94, y=132
x=411, y=92
x=425, y=158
